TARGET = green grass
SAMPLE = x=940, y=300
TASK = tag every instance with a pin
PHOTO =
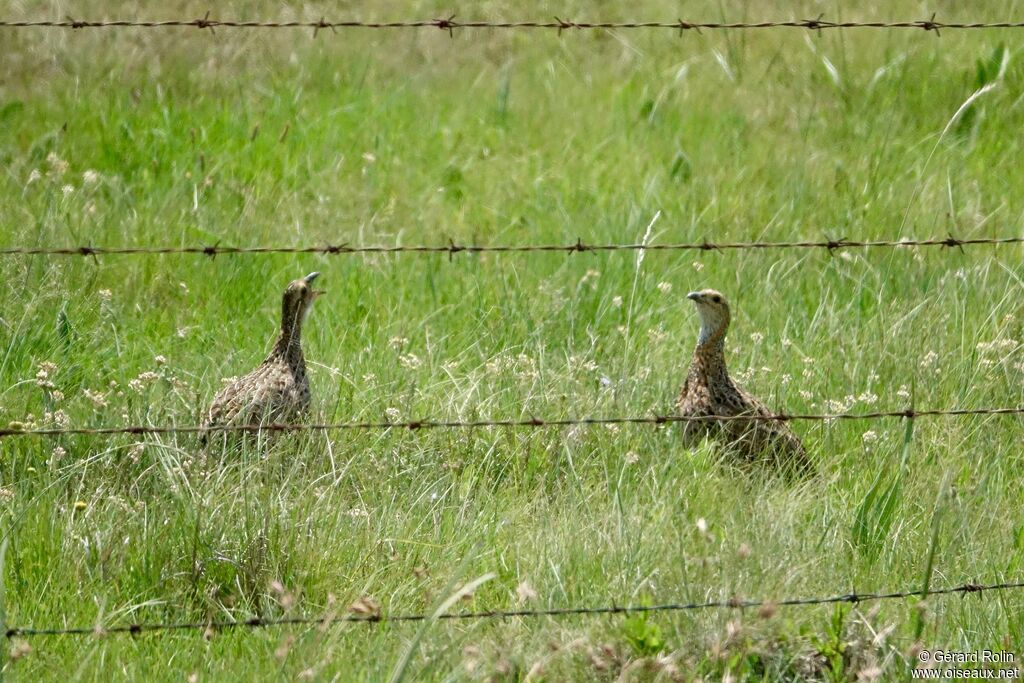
x=509, y=137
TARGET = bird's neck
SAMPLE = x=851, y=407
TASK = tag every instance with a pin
x=289, y=342
x=709, y=356
x=708, y=334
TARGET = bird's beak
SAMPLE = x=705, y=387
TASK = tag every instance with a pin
x=309, y=280
x=694, y=296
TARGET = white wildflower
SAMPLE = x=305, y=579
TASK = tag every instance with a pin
x=698, y=266
x=42, y=378
x=497, y=364
x=58, y=166
x=409, y=361
x=664, y=287
x=616, y=302
x=90, y=177
x=868, y=398
x=67, y=190
x=903, y=392
x=160, y=360
x=657, y=335
x=756, y=337
x=392, y=414
x=997, y=345
x=525, y=367
x=98, y=399
x=34, y=176
x=745, y=376
x=105, y=295
x=525, y=592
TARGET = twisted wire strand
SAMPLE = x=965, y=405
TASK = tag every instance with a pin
x=451, y=24
x=732, y=603
x=534, y=422
x=452, y=248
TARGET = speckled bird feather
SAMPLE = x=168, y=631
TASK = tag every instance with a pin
x=710, y=391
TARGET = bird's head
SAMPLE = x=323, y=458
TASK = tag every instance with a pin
x=298, y=297
x=713, y=309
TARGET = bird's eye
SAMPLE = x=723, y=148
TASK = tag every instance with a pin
x=717, y=299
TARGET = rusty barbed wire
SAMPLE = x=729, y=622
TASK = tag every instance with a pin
x=452, y=248
x=732, y=603
x=452, y=24
x=15, y=429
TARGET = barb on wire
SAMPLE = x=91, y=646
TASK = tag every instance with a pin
x=16, y=429
x=452, y=248
x=558, y=25
x=732, y=603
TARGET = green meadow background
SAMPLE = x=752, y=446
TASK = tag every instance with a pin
x=181, y=137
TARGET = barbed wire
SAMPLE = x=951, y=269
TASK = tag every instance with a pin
x=14, y=429
x=732, y=603
x=452, y=24
x=452, y=248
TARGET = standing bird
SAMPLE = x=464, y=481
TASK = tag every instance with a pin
x=276, y=391
x=709, y=391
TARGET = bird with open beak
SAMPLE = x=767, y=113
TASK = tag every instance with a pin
x=278, y=390
x=709, y=392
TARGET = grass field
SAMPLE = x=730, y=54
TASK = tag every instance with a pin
x=128, y=137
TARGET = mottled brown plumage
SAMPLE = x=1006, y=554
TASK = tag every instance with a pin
x=276, y=391
x=708, y=390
